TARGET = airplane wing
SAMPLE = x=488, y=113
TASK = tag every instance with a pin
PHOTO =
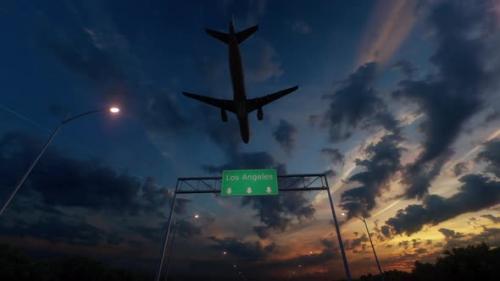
x=220, y=103
x=253, y=104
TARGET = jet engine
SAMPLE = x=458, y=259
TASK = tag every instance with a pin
x=260, y=114
x=223, y=115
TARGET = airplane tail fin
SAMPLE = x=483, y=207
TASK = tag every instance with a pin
x=224, y=37
x=244, y=34
x=240, y=36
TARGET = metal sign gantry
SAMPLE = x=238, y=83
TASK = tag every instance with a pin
x=286, y=183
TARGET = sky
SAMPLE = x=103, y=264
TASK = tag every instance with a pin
x=398, y=103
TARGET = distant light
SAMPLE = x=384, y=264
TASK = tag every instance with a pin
x=310, y=252
x=114, y=109
x=224, y=253
x=196, y=216
x=343, y=214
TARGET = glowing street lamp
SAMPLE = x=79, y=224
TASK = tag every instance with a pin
x=371, y=242
x=112, y=110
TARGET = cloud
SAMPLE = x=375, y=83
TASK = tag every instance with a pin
x=406, y=67
x=492, y=218
x=489, y=236
x=328, y=253
x=247, y=160
x=285, y=134
x=58, y=229
x=389, y=25
x=460, y=168
x=186, y=229
x=382, y=162
x=356, y=244
x=301, y=27
x=78, y=52
x=69, y=182
x=243, y=250
x=275, y=212
x=450, y=234
x=356, y=104
x=491, y=155
x=64, y=197
x=453, y=94
x=333, y=155
x=263, y=64
x=477, y=192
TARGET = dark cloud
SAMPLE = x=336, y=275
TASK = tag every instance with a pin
x=263, y=64
x=69, y=182
x=385, y=230
x=247, y=160
x=243, y=250
x=406, y=67
x=186, y=229
x=356, y=244
x=492, y=218
x=450, y=234
x=356, y=104
x=57, y=229
x=489, y=236
x=60, y=183
x=460, y=168
x=262, y=231
x=383, y=160
x=333, y=155
x=285, y=134
x=452, y=95
x=275, y=212
x=328, y=253
x=491, y=155
x=418, y=177
x=160, y=112
x=476, y=193
x=495, y=115
x=77, y=51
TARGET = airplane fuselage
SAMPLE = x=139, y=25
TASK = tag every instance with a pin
x=240, y=105
x=238, y=82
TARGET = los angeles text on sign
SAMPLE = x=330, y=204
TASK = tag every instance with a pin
x=249, y=182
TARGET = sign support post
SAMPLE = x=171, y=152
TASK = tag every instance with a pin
x=339, y=236
x=165, y=242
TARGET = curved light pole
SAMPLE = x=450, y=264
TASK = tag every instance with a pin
x=112, y=110
x=371, y=242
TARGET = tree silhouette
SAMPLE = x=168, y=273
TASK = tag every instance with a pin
x=478, y=262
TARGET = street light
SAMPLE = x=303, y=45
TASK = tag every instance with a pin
x=112, y=110
x=371, y=242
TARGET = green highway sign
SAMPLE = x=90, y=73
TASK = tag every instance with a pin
x=249, y=182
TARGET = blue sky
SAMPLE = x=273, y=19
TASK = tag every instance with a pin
x=397, y=100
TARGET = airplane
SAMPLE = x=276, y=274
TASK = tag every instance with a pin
x=240, y=104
